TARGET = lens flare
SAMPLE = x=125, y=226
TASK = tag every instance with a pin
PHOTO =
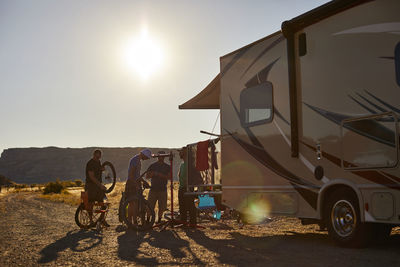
x=257, y=210
x=143, y=55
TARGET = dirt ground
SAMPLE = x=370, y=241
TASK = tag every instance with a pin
x=36, y=231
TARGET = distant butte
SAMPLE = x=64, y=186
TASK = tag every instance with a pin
x=42, y=165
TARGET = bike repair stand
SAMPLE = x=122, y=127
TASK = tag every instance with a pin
x=171, y=222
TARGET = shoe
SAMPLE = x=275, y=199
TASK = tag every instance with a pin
x=104, y=223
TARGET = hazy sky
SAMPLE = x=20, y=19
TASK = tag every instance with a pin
x=65, y=79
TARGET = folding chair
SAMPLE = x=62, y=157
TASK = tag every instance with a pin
x=206, y=206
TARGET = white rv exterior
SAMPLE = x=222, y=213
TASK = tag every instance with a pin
x=309, y=120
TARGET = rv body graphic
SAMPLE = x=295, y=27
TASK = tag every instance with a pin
x=309, y=120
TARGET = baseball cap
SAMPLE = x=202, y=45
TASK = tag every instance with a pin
x=146, y=152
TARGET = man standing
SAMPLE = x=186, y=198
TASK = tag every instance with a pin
x=93, y=186
x=186, y=203
x=133, y=182
x=159, y=172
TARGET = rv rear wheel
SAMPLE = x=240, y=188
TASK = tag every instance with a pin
x=343, y=219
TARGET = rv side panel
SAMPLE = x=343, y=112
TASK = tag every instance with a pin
x=349, y=97
x=257, y=167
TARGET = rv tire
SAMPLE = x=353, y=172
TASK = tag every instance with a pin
x=342, y=215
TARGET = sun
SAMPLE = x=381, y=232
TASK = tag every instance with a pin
x=143, y=55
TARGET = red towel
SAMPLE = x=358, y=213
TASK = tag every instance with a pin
x=202, y=156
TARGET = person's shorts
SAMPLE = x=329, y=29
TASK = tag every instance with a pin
x=130, y=189
x=160, y=196
x=95, y=193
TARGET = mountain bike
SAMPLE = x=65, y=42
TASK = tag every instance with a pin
x=145, y=215
x=100, y=209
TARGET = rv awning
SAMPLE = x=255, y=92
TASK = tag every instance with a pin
x=206, y=99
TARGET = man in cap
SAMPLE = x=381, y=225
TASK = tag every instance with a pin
x=159, y=172
x=133, y=182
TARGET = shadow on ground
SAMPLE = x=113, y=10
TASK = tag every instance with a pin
x=77, y=241
x=277, y=249
x=130, y=242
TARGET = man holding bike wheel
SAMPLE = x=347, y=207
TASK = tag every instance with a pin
x=93, y=186
x=133, y=182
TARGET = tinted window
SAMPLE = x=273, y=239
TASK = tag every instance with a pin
x=256, y=105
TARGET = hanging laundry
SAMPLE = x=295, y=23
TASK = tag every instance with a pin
x=214, y=162
x=202, y=156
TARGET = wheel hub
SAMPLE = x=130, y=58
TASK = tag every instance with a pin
x=343, y=218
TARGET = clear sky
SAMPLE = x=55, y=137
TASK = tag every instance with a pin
x=71, y=75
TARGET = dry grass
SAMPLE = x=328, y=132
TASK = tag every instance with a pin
x=64, y=197
x=25, y=189
x=72, y=195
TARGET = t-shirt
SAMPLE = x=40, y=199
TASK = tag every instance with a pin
x=183, y=175
x=135, y=162
x=94, y=166
x=158, y=183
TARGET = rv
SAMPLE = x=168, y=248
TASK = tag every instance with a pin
x=310, y=120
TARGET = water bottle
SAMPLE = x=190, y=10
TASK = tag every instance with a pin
x=217, y=214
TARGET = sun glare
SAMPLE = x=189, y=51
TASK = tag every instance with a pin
x=143, y=55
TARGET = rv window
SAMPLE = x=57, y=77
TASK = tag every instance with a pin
x=256, y=105
x=370, y=142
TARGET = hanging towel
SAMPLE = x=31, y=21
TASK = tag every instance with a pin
x=202, y=156
x=214, y=162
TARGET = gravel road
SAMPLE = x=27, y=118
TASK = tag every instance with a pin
x=39, y=232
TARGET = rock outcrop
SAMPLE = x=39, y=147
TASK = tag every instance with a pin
x=42, y=165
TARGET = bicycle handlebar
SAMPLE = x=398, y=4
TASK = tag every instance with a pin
x=144, y=182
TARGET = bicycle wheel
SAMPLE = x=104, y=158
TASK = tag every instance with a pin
x=108, y=176
x=123, y=210
x=82, y=217
x=145, y=216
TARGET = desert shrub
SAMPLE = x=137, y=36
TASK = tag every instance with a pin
x=65, y=192
x=78, y=182
x=64, y=197
x=53, y=187
x=20, y=186
x=68, y=183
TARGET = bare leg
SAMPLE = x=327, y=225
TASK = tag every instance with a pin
x=132, y=212
x=135, y=212
x=160, y=212
x=90, y=210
